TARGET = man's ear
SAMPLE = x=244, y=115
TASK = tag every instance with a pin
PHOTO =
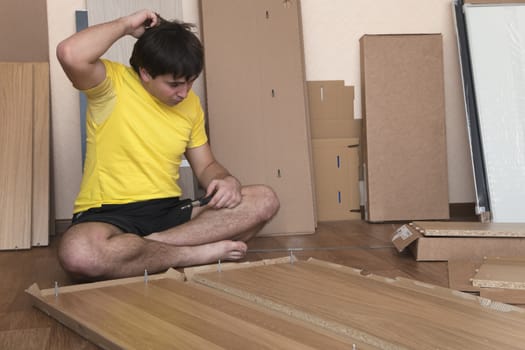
x=144, y=75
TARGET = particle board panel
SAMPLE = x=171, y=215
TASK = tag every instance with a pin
x=16, y=148
x=40, y=223
x=501, y=272
x=461, y=274
x=167, y=313
x=469, y=229
x=387, y=313
x=404, y=143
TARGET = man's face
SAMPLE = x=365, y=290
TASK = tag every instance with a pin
x=165, y=88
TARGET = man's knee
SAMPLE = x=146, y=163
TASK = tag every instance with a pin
x=267, y=202
x=78, y=255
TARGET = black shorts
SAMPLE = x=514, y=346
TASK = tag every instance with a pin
x=142, y=217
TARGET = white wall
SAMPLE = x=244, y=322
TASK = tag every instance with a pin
x=332, y=29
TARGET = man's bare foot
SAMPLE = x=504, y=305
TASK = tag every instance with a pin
x=212, y=252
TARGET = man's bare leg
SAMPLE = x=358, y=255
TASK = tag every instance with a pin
x=97, y=250
x=259, y=204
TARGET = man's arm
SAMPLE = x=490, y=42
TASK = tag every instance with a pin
x=225, y=188
x=80, y=54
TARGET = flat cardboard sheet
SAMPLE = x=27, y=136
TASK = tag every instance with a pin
x=336, y=178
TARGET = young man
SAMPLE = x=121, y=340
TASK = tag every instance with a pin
x=140, y=121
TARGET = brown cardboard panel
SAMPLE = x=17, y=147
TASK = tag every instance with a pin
x=455, y=248
x=501, y=272
x=16, y=149
x=470, y=229
x=460, y=273
x=330, y=99
x=257, y=105
x=28, y=42
x=336, y=178
x=404, y=150
x=335, y=128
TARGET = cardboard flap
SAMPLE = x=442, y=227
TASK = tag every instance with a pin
x=404, y=236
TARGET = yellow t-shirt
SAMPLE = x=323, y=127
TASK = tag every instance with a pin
x=134, y=142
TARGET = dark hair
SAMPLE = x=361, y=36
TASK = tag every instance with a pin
x=170, y=47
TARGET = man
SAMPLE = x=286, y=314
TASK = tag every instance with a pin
x=140, y=121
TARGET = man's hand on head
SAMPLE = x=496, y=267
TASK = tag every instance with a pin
x=139, y=21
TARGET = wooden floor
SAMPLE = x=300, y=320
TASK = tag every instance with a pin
x=351, y=243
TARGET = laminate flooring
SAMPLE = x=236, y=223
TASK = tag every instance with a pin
x=351, y=243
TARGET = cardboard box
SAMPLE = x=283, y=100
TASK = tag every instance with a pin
x=455, y=248
x=331, y=108
x=336, y=178
x=404, y=143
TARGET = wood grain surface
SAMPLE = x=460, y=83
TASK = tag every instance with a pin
x=16, y=148
x=169, y=314
x=387, y=313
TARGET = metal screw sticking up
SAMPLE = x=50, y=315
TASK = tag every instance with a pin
x=145, y=276
x=219, y=267
x=56, y=289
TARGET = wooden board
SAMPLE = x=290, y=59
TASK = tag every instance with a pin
x=501, y=272
x=41, y=211
x=16, y=148
x=469, y=229
x=387, y=313
x=166, y=313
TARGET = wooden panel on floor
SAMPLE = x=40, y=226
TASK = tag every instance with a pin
x=501, y=272
x=388, y=313
x=16, y=120
x=164, y=313
x=470, y=229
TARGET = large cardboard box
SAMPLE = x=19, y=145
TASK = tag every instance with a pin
x=336, y=178
x=404, y=145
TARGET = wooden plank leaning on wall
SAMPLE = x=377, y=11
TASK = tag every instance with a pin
x=24, y=156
